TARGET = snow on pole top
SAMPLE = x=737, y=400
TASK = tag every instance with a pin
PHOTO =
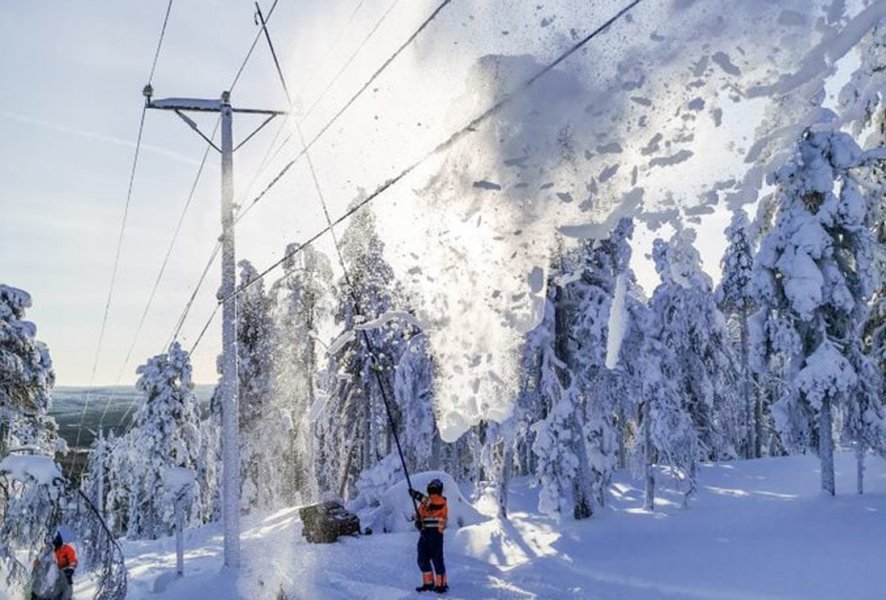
x=178, y=482
x=186, y=103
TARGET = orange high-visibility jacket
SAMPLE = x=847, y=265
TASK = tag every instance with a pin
x=433, y=512
x=66, y=557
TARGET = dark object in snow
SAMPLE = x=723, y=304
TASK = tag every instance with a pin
x=486, y=185
x=325, y=522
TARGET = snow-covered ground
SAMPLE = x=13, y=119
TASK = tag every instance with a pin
x=757, y=530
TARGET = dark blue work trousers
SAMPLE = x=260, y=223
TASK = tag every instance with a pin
x=430, y=552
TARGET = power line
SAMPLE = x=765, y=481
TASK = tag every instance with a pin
x=445, y=145
x=188, y=305
x=160, y=42
x=347, y=105
x=181, y=320
x=350, y=59
x=162, y=270
x=332, y=45
x=251, y=49
x=138, y=141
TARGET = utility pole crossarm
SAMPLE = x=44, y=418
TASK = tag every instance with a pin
x=204, y=105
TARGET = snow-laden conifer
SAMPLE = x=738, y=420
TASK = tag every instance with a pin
x=699, y=365
x=736, y=300
x=353, y=427
x=815, y=273
x=166, y=435
x=26, y=378
x=302, y=303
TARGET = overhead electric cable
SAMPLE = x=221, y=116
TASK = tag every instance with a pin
x=169, y=249
x=251, y=48
x=189, y=304
x=138, y=141
x=350, y=60
x=344, y=107
x=366, y=338
x=442, y=146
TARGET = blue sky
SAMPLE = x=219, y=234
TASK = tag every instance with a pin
x=70, y=101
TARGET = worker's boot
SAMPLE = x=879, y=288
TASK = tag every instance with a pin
x=427, y=583
x=441, y=585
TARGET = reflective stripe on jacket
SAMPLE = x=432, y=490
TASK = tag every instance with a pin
x=433, y=512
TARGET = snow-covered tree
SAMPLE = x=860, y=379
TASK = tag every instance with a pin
x=258, y=452
x=32, y=495
x=26, y=377
x=736, y=300
x=815, y=274
x=604, y=266
x=664, y=432
x=560, y=446
x=414, y=397
x=353, y=428
x=166, y=435
x=94, y=485
x=302, y=302
x=700, y=364
x=31, y=484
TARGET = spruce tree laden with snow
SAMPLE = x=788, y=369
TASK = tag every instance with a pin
x=26, y=378
x=302, y=301
x=414, y=398
x=592, y=300
x=31, y=484
x=560, y=446
x=735, y=298
x=258, y=425
x=815, y=274
x=166, y=435
x=353, y=427
x=700, y=364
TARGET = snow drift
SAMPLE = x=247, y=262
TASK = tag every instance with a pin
x=392, y=511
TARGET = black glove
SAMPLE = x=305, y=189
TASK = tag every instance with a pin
x=69, y=574
x=416, y=495
x=417, y=523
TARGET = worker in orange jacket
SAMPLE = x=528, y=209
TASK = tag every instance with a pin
x=433, y=513
x=66, y=559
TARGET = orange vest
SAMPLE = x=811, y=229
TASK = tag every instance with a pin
x=65, y=557
x=433, y=512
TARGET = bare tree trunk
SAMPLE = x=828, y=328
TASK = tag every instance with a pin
x=505, y=479
x=758, y=424
x=649, y=502
x=436, y=442
x=179, y=538
x=826, y=447
x=859, y=465
x=622, y=449
x=750, y=443
x=4, y=438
